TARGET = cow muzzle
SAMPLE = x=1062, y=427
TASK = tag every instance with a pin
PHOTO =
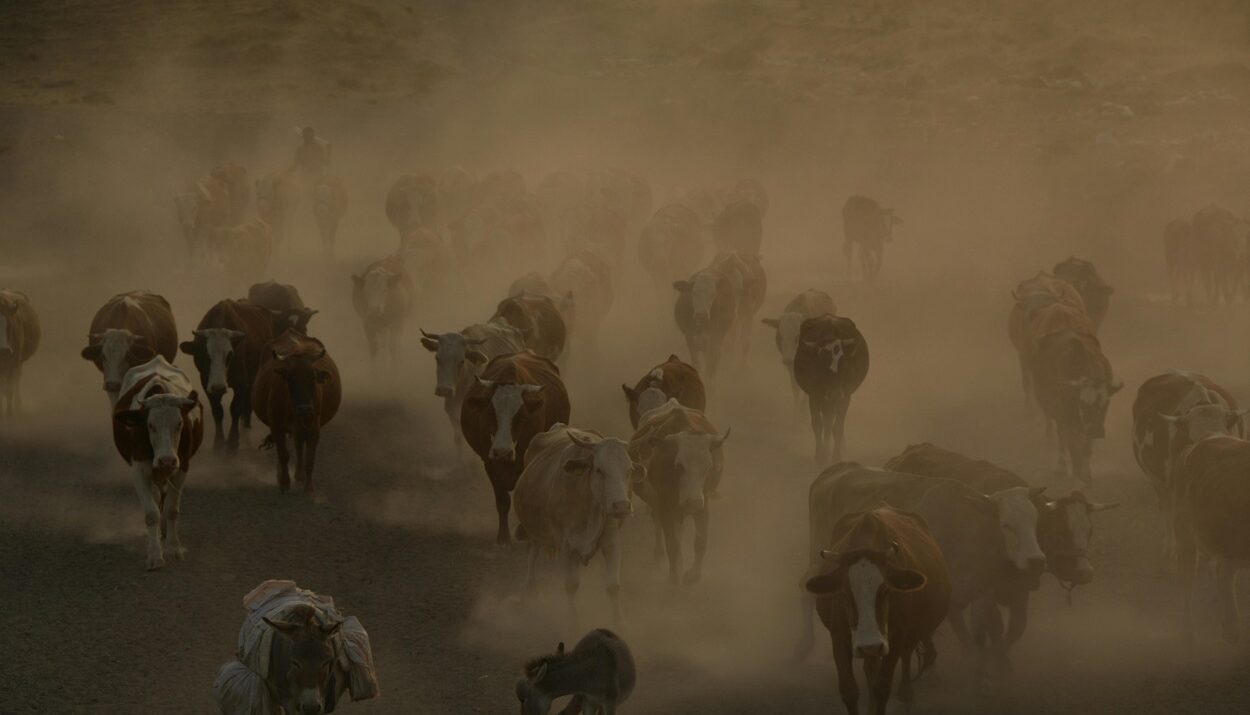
x=165, y=465
x=503, y=454
x=622, y=509
x=871, y=650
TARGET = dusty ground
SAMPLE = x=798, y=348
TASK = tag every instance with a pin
x=1008, y=135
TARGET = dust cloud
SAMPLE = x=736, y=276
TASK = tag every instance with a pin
x=1007, y=135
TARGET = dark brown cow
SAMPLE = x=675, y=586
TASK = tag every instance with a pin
x=297, y=392
x=885, y=593
x=128, y=330
x=866, y=223
x=158, y=425
x=538, y=319
x=19, y=339
x=1180, y=253
x=284, y=304
x=228, y=347
x=514, y=398
x=808, y=304
x=1095, y=292
x=830, y=364
x=1029, y=297
x=671, y=379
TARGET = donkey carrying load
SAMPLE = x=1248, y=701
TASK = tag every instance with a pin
x=297, y=656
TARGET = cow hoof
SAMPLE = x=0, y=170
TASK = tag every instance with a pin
x=156, y=564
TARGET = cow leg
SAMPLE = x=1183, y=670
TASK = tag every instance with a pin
x=612, y=576
x=884, y=681
x=807, y=622
x=1026, y=380
x=451, y=406
x=848, y=251
x=1226, y=587
x=172, y=508
x=905, y=692
x=796, y=391
x=672, y=541
x=700, y=547
x=988, y=624
x=835, y=422
x=284, y=459
x=214, y=403
x=503, y=503
x=572, y=581
x=149, y=496
x=1186, y=567
x=371, y=337
x=301, y=476
x=239, y=407
x=396, y=337
x=955, y=617
x=310, y=457
x=1017, y=618
x=1079, y=450
x=847, y=687
x=818, y=427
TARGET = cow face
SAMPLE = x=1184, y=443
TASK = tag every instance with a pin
x=116, y=350
x=1017, y=518
x=306, y=662
x=650, y=399
x=1093, y=396
x=374, y=288
x=836, y=349
x=213, y=350
x=693, y=462
x=507, y=401
x=162, y=416
x=787, y=327
x=451, y=353
x=1064, y=530
x=1206, y=420
x=610, y=471
x=301, y=375
x=864, y=580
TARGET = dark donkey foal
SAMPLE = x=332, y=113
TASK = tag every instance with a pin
x=599, y=674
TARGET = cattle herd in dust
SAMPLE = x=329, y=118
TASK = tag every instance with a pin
x=931, y=537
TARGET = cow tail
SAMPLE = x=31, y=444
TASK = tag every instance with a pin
x=520, y=533
x=268, y=443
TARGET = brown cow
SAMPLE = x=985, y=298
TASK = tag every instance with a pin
x=284, y=304
x=1032, y=295
x=128, y=330
x=297, y=391
x=671, y=379
x=514, y=398
x=228, y=348
x=870, y=225
x=1094, y=291
x=158, y=425
x=830, y=364
x=382, y=296
x=538, y=319
x=884, y=594
x=19, y=338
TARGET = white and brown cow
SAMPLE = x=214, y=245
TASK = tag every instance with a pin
x=128, y=330
x=158, y=425
x=460, y=356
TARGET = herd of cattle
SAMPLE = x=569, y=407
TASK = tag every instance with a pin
x=933, y=536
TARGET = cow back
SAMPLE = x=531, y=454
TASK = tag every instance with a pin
x=812, y=364
x=811, y=304
x=538, y=319
x=142, y=313
x=272, y=295
x=928, y=460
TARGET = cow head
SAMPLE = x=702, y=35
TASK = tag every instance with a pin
x=1064, y=529
x=508, y=401
x=162, y=416
x=116, y=350
x=702, y=288
x=301, y=375
x=1016, y=511
x=693, y=461
x=1206, y=420
x=836, y=349
x=303, y=670
x=451, y=352
x=213, y=350
x=864, y=578
x=610, y=471
x=373, y=288
x=1093, y=396
x=787, y=327
x=650, y=399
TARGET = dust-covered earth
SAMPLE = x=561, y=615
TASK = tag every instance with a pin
x=1009, y=135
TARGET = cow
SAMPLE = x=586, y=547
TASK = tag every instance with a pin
x=1064, y=529
x=1095, y=292
x=284, y=304
x=750, y=284
x=1180, y=255
x=1216, y=239
x=684, y=458
x=671, y=245
x=830, y=364
x=297, y=392
x=1173, y=410
x=985, y=539
x=158, y=425
x=238, y=189
x=228, y=347
x=599, y=673
x=586, y=279
x=19, y=339
x=329, y=204
x=128, y=330
x=277, y=197
x=706, y=310
x=538, y=319
x=514, y=399
x=883, y=591
x=673, y=379
x=1211, y=483
x=460, y=356
x=413, y=202
x=536, y=283
x=1073, y=383
x=868, y=224
x=570, y=501
x=739, y=228
x=382, y=297
x=243, y=250
x=1031, y=295
x=808, y=304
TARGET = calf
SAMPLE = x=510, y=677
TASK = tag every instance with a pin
x=228, y=348
x=382, y=296
x=515, y=398
x=808, y=304
x=19, y=339
x=672, y=379
x=570, y=500
x=599, y=673
x=883, y=593
x=459, y=357
x=130, y=329
x=158, y=425
x=329, y=205
x=297, y=392
x=830, y=364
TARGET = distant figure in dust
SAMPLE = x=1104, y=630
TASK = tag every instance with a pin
x=313, y=155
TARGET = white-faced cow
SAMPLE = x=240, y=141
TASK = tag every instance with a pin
x=130, y=329
x=671, y=379
x=830, y=364
x=706, y=311
x=460, y=356
x=228, y=348
x=808, y=304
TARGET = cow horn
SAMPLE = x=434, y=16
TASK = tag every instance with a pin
x=198, y=333
x=488, y=384
x=279, y=356
x=431, y=336
x=828, y=554
x=581, y=442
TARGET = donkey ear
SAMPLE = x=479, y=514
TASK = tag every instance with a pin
x=331, y=628
x=281, y=626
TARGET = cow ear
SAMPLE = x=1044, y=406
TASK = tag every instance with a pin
x=825, y=583
x=324, y=376
x=630, y=395
x=91, y=352
x=430, y=344
x=187, y=347
x=477, y=357
x=681, y=286
x=904, y=580
x=577, y=466
x=131, y=418
x=771, y=322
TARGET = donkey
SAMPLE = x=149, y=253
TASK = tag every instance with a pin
x=599, y=674
x=303, y=675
